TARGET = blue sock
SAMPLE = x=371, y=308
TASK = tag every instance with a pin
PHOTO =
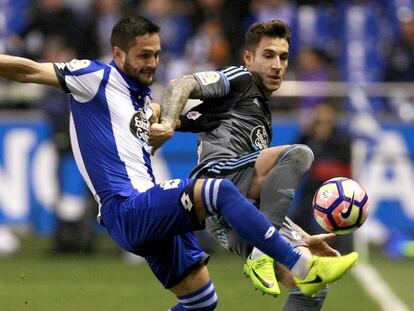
x=220, y=196
x=204, y=299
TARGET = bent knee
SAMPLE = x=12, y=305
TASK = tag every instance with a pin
x=300, y=154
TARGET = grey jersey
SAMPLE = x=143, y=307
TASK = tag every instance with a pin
x=248, y=129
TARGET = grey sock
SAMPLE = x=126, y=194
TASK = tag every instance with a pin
x=280, y=185
x=300, y=268
x=300, y=302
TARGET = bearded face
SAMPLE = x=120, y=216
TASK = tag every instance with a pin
x=141, y=60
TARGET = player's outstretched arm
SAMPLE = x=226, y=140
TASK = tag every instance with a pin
x=27, y=71
x=176, y=96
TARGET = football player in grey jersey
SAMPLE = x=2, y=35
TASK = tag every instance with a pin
x=239, y=149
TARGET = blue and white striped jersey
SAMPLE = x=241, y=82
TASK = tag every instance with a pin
x=109, y=128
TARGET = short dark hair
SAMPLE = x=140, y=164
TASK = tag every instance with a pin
x=128, y=28
x=273, y=28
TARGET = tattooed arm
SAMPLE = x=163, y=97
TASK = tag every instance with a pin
x=172, y=103
x=176, y=96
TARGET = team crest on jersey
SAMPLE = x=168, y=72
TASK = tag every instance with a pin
x=139, y=125
x=259, y=137
x=77, y=64
x=208, y=77
x=193, y=115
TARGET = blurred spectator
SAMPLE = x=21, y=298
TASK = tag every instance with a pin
x=74, y=213
x=399, y=67
x=312, y=64
x=265, y=10
x=317, y=26
x=400, y=56
x=175, y=24
x=360, y=40
x=315, y=2
x=208, y=49
x=331, y=146
x=105, y=14
x=53, y=18
x=230, y=14
x=13, y=18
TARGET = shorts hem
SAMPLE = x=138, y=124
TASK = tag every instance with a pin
x=202, y=260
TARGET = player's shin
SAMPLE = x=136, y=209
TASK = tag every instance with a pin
x=311, y=274
x=222, y=197
x=279, y=187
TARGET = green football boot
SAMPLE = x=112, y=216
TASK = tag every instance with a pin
x=262, y=274
x=325, y=270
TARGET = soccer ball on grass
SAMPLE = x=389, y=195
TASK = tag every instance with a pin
x=340, y=205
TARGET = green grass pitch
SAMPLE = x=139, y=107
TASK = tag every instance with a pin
x=34, y=280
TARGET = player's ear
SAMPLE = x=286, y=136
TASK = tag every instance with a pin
x=247, y=57
x=119, y=55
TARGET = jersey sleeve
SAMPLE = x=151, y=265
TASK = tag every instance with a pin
x=80, y=78
x=239, y=78
x=215, y=84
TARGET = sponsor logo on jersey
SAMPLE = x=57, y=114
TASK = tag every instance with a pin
x=259, y=137
x=170, y=184
x=139, y=125
x=208, y=77
x=77, y=64
x=186, y=202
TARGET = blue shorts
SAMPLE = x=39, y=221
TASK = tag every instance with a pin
x=154, y=224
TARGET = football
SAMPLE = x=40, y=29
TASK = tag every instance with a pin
x=340, y=205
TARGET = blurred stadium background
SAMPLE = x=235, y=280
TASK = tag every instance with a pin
x=355, y=56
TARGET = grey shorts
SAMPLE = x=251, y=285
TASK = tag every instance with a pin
x=223, y=233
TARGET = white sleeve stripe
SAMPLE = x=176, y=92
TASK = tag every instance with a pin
x=207, y=196
x=230, y=68
x=215, y=191
x=226, y=82
x=238, y=75
x=235, y=70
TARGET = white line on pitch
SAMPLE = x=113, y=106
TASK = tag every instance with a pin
x=377, y=288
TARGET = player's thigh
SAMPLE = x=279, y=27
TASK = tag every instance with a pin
x=151, y=216
x=264, y=164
